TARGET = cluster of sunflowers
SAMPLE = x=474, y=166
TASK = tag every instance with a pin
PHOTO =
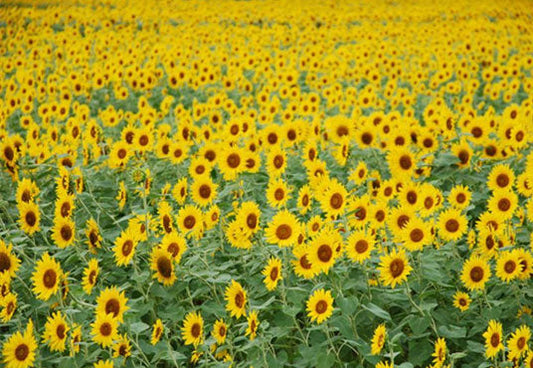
x=314, y=183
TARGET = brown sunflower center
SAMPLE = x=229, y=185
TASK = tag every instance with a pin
x=361, y=246
x=164, y=266
x=476, y=274
x=416, y=235
x=222, y=331
x=92, y=277
x=106, y=329
x=60, y=331
x=233, y=160
x=112, y=306
x=173, y=248
x=279, y=194
x=336, y=201
x=521, y=343
x=66, y=232
x=278, y=161
x=321, y=306
x=504, y=204
x=461, y=198
x=412, y=197
x=196, y=330
x=26, y=196
x=495, y=340
x=324, y=253
x=464, y=156
x=239, y=299
x=502, y=180
x=121, y=153
x=402, y=221
x=30, y=217
x=405, y=162
x=283, y=232
x=251, y=220
x=396, y=267
x=49, y=279
x=205, y=191
x=452, y=225
x=189, y=222
x=274, y=272
x=5, y=262
x=462, y=302
x=21, y=352
x=304, y=262
x=127, y=247
x=509, y=266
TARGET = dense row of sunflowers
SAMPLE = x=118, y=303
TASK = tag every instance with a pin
x=266, y=184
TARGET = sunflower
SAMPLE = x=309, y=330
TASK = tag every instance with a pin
x=9, y=263
x=119, y=155
x=125, y=246
x=175, y=244
x=359, y=246
x=203, y=191
x=476, y=273
x=359, y=174
x=9, y=305
x=402, y=162
x=235, y=296
x=122, y=347
x=439, y=355
x=112, y=302
x=94, y=239
x=30, y=217
x=46, y=277
x=104, y=364
x=359, y=207
x=508, y=266
x=5, y=285
x=162, y=262
x=277, y=193
x=378, y=339
x=179, y=191
x=164, y=212
x=211, y=217
x=190, y=221
x=19, y=349
x=272, y=273
x=27, y=191
x=157, y=331
x=452, y=225
x=64, y=206
x=283, y=229
x=459, y=197
x=90, y=275
x=220, y=331
x=302, y=265
x=463, y=152
x=333, y=200
x=304, y=199
x=394, y=268
x=55, y=332
x=493, y=339
x=501, y=177
x=324, y=249
x=231, y=162
x=503, y=204
x=199, y=167
x=193, y=329
x=461, y=301
x=416, y=234
x=75, y=339
x=121, y=195
x=518, y=342
x=525, y=259
x=384, y=365
x=320, y=305
x=104, y=329
x=276, y=162
x=63, y=232
x=248, y=216
x=253, y=324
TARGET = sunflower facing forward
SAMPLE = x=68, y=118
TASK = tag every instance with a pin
x=476, y=272
x=19, y=349
x=493, y=339
x=235, y=296
x=113, y=302
x=9, y=263
x=55, y=332
x=46, y=277
x=320, y=306
x=193, y=329
x=394, y=268
x=162, y=263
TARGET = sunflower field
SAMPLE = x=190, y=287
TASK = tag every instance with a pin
x=252, y=183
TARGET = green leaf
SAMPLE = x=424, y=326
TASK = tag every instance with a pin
x=377, y=311
x=452, y=332
x=138, y=327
